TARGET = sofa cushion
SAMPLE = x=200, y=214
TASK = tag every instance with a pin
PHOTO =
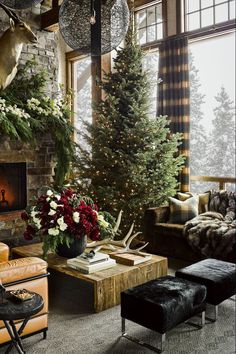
x=203, y=200
x=180, y=212
x=21, y=268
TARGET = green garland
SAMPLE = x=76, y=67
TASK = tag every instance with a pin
x=26, y=111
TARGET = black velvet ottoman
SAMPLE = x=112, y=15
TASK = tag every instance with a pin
x=219, y=277
x=162, y=304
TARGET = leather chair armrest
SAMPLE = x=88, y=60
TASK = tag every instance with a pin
x=157, y=215
x=21, y=268
x=4, y=252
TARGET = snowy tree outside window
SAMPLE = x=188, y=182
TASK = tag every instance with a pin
x=212, y=109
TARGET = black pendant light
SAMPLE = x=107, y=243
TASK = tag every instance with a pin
x=20, y=4
x=93, y=26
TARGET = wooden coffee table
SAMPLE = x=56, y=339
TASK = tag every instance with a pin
x=108, y=283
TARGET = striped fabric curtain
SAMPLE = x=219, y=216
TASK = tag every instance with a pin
x=174, y=95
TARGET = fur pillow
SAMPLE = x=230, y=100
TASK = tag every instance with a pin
x=182, y=211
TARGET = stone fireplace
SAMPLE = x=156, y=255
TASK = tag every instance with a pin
x=24, y=169
x=37, y=159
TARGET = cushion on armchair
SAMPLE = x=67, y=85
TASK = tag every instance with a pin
x=180, y=212
x=21, y=268
x=4, y=252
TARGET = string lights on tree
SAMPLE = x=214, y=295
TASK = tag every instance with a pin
x=134, y=155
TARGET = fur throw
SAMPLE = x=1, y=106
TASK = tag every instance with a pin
x=211, y=234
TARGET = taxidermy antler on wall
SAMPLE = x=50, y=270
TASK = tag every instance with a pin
x=11, y=43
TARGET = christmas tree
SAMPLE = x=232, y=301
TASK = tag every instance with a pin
x=132, y=162
x=221, y=161
x=198, y=135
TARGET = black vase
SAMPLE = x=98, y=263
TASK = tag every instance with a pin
x=76, y=248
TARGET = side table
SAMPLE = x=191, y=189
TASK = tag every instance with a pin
x=11, y=311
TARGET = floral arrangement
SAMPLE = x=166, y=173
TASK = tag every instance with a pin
x=63, y=217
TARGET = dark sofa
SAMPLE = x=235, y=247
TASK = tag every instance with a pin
x=167, y=239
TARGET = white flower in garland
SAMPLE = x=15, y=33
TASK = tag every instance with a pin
x=14, y=110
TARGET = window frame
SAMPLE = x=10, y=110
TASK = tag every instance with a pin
x=144, y=5
x=71, y=58
x=181, y=21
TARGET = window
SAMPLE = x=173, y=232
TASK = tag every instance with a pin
x=203, y=13
x=81, y=83
x=149, y=22
x=212, y=109
x=150, y=63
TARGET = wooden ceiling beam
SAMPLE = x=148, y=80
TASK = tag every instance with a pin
x=49, y=19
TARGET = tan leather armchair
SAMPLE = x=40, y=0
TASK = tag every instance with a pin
x=25, y=273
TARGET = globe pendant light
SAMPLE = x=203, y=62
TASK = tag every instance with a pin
x=93, y=26
x=20, y=4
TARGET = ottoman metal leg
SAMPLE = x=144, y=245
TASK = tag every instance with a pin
x=216, y=312
x=198, y=325
x=215, y=315
x=140, y=342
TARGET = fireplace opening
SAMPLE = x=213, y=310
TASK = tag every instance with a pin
x=13, y=192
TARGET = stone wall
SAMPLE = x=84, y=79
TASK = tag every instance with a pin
x=39, y=157
x=40, y=170
x=45, y=51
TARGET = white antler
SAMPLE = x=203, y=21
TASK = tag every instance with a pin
x=111, y=244
x=117, y=225
x=127, y=249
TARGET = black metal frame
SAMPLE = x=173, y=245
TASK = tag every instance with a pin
x=26, y=279
x=43, y=330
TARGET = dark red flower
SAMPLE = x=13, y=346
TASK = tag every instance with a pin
x=24, y=216
x=27, y=236
x=31, y=230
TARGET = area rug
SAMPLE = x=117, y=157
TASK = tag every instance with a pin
x=75, y=329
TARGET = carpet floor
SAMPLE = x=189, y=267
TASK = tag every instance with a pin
x=75, y=329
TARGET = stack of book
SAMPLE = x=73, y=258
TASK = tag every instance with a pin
x=88, y=265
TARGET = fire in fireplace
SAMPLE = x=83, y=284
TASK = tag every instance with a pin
x=13, y=192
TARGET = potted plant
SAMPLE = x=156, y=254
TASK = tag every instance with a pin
x=64, y=220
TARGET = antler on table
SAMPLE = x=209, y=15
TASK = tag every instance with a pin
x=111, y=244
x=127, y=248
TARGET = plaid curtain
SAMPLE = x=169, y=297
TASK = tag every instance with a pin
x=174, y=94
